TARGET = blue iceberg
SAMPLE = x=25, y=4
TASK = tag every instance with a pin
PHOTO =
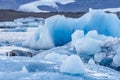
x=61, y=28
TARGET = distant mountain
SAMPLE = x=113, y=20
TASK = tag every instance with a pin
x=58, y=5
x=71, y=6
x=13, y=4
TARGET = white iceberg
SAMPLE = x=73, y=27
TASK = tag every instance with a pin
x=40, y=40
x=73, y=65
x=77, y=35
x=87, y=46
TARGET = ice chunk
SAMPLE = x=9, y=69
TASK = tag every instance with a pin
x=32, y=24
x=60, y=29
x=73, y=65
x=99, y=56
x=91, y=62
x=87, y=46
x=77, y=35
x=44, y=41
x=25, y=20
x=29, y=22
x=115, y=47
x=94, y=34
x=55, y=57
x=8, y=24
x=116, y=59
x=104, y=23
x=24, y=69
x=32, y=41
x=40, y=40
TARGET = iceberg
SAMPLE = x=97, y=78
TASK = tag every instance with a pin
x=58, y=29
x=87, y=46
x=104, y=23
x=40, y=40
x=77, y=35
x=73, y=65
